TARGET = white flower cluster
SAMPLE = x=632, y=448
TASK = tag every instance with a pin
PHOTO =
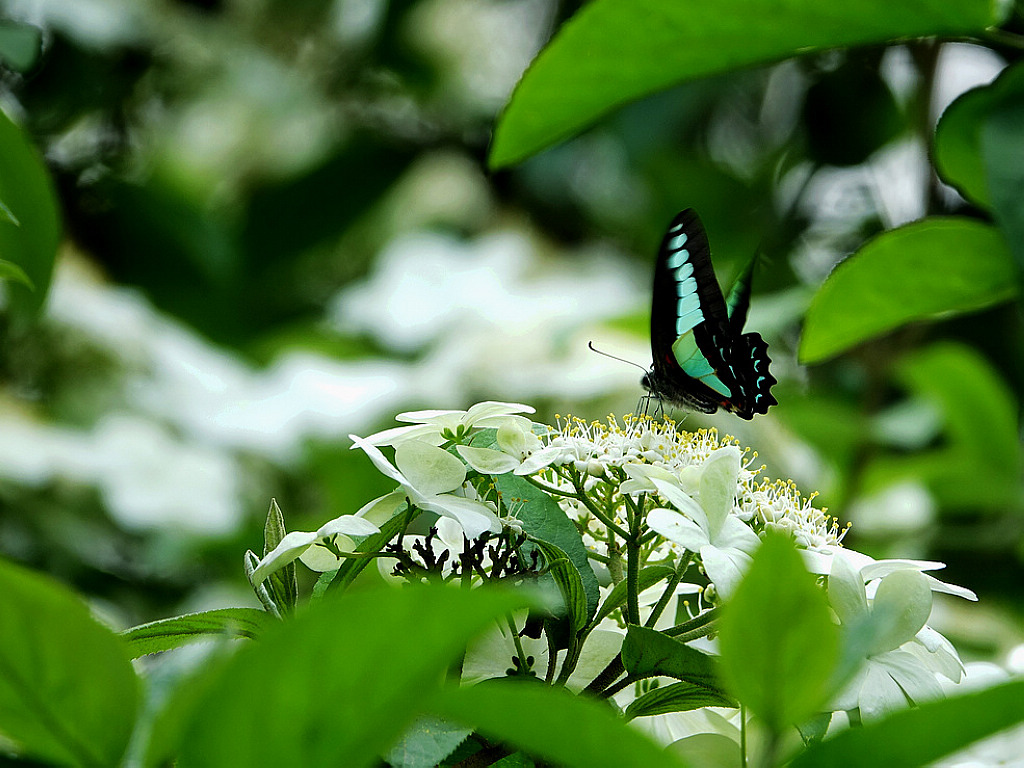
x=676, y=496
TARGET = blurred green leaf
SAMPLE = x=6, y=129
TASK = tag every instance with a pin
x=614, y=51
x=544, y=520
x=850, y=112
x=30, y=232
x=677, y=697
x=553, y=724
x=68, y=693
x=958, y=137
x=920, y=736
x=20, y=45
x=11, y=271
x=428, y=742
x=1002, y=147
x=779, y=645
x=162, y=635
x=337, y=685
x=924, y=270
x=979, y=465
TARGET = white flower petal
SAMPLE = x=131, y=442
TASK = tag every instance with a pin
x=290, y=547
x=678, y=528
x=320, y=559
x=917, y=681
x=900, y=609
x=424, y=432
x=682, y=502
x=736, y=534
x=431, y=417
x=718, y=485
x=491, y=408
x=487, y=461
x=430, y=470
x=950, y=589
x=518, y=440
x=350, y=525
x=379, y=460
x=846, y=592
x=725, y=567
x=879, y=694
x=382, y=509
x=543, y=458
x=475, y=517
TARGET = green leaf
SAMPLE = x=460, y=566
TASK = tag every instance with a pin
x=647, y=578
x=20, y=45
x=979, y=462
x=649, y=653
x=569, y=582
x=615, y=51
x=339, y=683
x=958, y=136
x=552, y=724
x=164, y=634
x=11, y=271
x=920, y=736
x=27, y=192
x=68, y=693
x=921, y=271
x=542, y=518
x=428, y=742
x=779, y=645
x=6, y=215
x=283, y=584
x=677, y=697
x=1002, y=147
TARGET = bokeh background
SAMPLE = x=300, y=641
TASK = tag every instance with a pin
x=279, y=228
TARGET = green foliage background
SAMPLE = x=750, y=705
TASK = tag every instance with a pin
x=238, y=164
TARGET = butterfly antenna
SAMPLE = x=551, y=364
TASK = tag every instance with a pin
x=613, y=357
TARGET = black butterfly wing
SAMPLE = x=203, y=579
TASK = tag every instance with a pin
x=701, y=360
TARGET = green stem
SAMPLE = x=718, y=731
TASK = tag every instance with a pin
x=517, y=641
x=700, y=626
x=670, y=589
x=632, y=582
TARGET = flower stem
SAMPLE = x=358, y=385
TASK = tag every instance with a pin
x=670, y=589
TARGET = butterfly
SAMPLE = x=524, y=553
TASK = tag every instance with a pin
x=702, y=358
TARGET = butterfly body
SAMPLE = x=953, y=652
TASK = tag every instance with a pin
x=702, y=358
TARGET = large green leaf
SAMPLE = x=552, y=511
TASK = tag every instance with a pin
x=615, y=51
x=27, y=193
x=921, y=271
x=779, y=645
x=553, y=724
x=165, y=634
x=920, y=736
x=68, y=692
x=338, y=684
x=543, y=519
x=979, y=463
